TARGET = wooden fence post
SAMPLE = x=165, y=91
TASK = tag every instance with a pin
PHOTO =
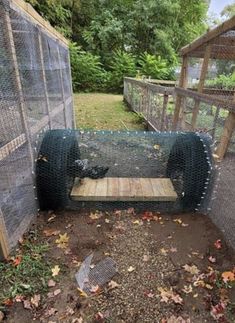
x=164, y=108
x=19, y=88
x=229, y=127
x=44, y=77
x=182, y=83
x=201, y=83
x=4, y=246
x=62, y=85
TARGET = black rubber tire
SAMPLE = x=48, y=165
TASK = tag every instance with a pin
x=58, y=150
x=191, y=156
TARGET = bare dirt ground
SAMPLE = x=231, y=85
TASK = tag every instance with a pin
x=170, y=269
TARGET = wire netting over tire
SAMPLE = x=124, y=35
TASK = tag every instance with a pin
x=169, y=171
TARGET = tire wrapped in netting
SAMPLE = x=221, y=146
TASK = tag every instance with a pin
x=58, y=150
x=190, y=163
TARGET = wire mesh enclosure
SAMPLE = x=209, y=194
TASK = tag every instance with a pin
x=164, y=171
x=35, y=95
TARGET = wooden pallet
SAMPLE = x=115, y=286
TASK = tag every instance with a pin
x=123, y=189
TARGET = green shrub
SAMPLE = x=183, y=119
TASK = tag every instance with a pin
x=88, y=73
x=155, y=67
x=226, y=82
x=122, y=64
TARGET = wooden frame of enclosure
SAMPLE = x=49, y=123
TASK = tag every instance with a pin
x=25, y=138
x=218, y=43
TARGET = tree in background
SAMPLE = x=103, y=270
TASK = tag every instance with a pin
x=145, y=35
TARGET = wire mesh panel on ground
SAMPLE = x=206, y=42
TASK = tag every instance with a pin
x=35, y=95
x=157, y=170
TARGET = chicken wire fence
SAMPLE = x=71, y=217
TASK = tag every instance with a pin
x=35, y=95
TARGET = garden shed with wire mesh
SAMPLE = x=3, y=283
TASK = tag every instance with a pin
x=202, y=103
x=35, y=95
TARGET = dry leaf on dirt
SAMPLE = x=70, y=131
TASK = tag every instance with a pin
x=107, y=221
x=27, y=304
x=62, y=241
x=168, y=295
x=51, y=311
x=173, y=249
x=217, y=311
x=228, y=276
x=55, y=270
x=17, y=260
x=212, y=259
x=94, y=289
x=157, y=147
x=51, y=232
x=112, y=284
x=57, y=292
x=184, y=224
x=51, y=218
x=164, y=252
x=99, y=317
x=81, y=292
x=148, y=216
x=174, y=319
x=179, y=221
x=218, y=244
x=69, y=311
x=51, y=283
x=131, y=210
x=130, y=269
x=35, y=300
x=191, y=269
x=95, y=216
x=187, y=289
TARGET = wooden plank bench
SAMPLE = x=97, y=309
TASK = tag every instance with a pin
x=123, y=189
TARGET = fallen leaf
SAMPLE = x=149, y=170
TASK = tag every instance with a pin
x=95, y=216
x=184, y=225
x=187, y=289
x=218, y=244
x=157, y=147
x=164, y=251
x=51, y=232
x=1, y=316
x=81, y=292
x=117, y=212
x=99, y=317
x=62, y=241
x=130, y=210
x=148, y=216
x=174, y=319
x=130, y=269
x=208, y=286
x=212, y=259
x=94, y=289
x=27, y=304
x=51, y=311
x=107, y=221
x=139, y=222
x=55, y=270
x=69, y=311
x=112, y=284
x=35, y=300
x=179, y=221
x=228, y=276
x=68, y=226
x=19, y=298
x=77, y=320
x=17, y=260
x=52, y=218
x=168, y=295
x=191, y=269
x=8, y=302
x=173, y=249
x=149, y=294
x=217, y=311
x=57, y=292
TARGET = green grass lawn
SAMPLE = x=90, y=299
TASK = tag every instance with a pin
x=104, y=112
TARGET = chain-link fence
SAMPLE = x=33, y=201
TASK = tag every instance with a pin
x=35, y=95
